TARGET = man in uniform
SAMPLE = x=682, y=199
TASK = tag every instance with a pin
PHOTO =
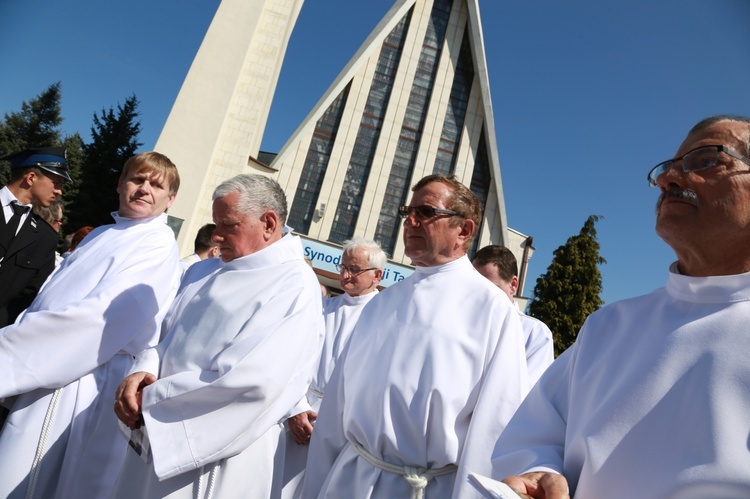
x=27, y=244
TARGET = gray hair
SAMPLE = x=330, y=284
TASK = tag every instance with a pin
x=712, y=120
x=257, y=194
x=376, y=257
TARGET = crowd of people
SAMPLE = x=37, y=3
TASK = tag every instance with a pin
x=129, y=373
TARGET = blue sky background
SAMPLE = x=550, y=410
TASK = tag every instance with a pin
x=587, y=94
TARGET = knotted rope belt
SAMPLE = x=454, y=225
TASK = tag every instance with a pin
x=417, y=478
x=315, y=392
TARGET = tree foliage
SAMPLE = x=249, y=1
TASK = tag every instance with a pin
x=36, y=125
x=94, y=168
x=114, y=140
x=569, y=291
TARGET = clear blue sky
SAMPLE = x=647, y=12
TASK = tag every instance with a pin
x=587, y=94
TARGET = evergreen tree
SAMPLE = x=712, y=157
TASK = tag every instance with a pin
x=74, y=154
x=114, y=141
x=36, y=125
x=569, y=291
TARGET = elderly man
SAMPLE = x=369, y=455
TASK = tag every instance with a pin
x=66, y=354
x=433, y=370
x=360, y=272
x=652, y=400
x=498, y=264
x=241, y=342
x=27, y=246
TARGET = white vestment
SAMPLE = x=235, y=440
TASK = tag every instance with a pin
x=98, y=310
x=241, y=344
x=540, y=350
x=434, y=369
x=188, y=261
x=652, y=401
x=340, y=315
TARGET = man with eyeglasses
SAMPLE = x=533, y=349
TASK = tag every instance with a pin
x=652, y=400
x=434, y=369
x=360, y=273
x=27, y=243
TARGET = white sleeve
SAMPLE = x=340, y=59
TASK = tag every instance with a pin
x=534, y=439
x=196, y=417
x=122, y=313
x=503, y=388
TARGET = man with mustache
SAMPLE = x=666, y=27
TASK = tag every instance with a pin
x=433, y=370
x=652, y=400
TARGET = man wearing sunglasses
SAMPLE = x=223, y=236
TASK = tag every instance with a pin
x=652, y=400
x=434, y=369
x=360, y=272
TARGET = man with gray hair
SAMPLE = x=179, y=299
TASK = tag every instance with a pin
x=652, y=400
x=238, y=351
x=360, y=272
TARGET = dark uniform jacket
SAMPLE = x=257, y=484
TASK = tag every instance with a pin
x=27, y=264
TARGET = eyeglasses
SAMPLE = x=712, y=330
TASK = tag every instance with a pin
x=353, y=271
x=424, y=212
x=700, y=158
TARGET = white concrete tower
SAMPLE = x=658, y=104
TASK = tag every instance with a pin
x=218, y=118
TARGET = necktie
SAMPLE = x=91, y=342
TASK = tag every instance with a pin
x=11, y=226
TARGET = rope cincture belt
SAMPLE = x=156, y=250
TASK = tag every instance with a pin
x=315, y=392
x=417, y=478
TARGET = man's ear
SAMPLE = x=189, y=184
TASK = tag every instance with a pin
x=378, y=276
x=514, y=284
x=467, y=229
x=170, y=201
x=29, y=178
x=270, y=222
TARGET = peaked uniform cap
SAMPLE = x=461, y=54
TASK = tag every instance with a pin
x=50, y=159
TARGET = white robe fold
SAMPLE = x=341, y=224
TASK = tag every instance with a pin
x=540, y=351
x=652, y=401
x=434, y=369
x=242, y=342
x=100, y=308
x=340, y=315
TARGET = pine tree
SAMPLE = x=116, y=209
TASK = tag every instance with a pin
x=569, y=291
x=74, y=154
x=36, y=125
x=114, y=141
